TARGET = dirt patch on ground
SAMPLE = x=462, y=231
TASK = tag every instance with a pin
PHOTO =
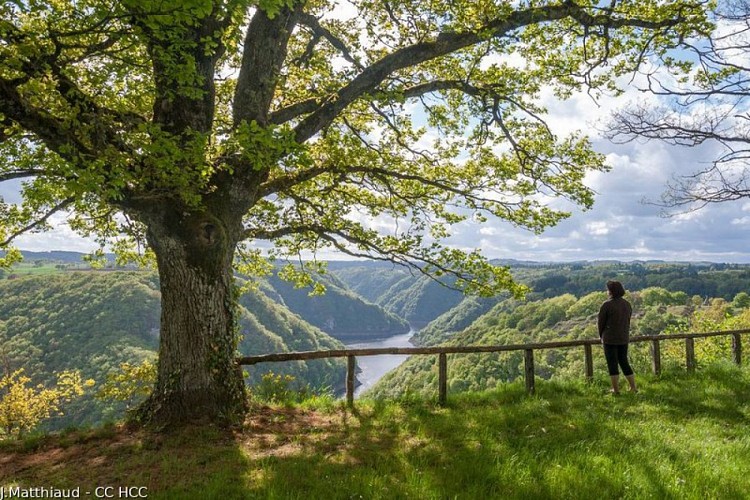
x=85, y=449
x=288, y=431
x=124, y=456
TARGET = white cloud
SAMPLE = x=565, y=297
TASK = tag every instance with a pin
x=598, y=228
x=60, y=238
x=343, y=11
x=383, y=224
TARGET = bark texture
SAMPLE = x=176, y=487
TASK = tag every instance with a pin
x=198, y=378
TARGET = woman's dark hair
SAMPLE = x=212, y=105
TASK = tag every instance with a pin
x=615, y=289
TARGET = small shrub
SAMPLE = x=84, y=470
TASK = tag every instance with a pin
x=23, y=407
x=132, y=384
x=276, y=388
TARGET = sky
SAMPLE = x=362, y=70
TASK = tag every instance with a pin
x=624, y=223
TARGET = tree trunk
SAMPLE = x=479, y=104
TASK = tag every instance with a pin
x=198, y=379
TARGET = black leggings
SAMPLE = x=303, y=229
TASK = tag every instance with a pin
x=617, y=354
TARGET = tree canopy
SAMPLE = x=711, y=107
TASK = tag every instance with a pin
x=308, y=122
x=195, y=129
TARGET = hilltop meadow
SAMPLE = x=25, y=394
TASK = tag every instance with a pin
x=683, y=436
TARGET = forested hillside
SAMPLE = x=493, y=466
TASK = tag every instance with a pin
x=550, y=280
x=415, y=298
x=93, y=321
x=454, y=320
x=89, y=321
x=339, y=312
x=421, y=300
x=564, y=317
x=370, y=280
x=266, y=327
x=703, y=279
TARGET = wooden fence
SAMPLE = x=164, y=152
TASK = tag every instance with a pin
x=528, y=349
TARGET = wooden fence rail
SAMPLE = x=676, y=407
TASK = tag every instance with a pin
x=443, y=351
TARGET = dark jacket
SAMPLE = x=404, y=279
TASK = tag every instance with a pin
x=614, y=321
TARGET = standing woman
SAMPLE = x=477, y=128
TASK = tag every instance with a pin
x=614, y=330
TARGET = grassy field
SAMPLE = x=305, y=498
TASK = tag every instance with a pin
x=683, y=436
x=46, y=268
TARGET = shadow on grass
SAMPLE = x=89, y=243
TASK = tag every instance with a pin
x=718, y=392
x=681, y=437
x=571, y=440
x=195, y=460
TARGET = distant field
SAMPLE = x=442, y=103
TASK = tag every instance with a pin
x=30, y=269
x=683, y=436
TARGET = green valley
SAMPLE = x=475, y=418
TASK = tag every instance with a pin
x=73, y=317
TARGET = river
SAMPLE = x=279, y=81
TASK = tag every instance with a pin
x=374, y=367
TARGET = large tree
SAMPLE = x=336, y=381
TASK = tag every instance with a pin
x=705, y=103
x=196, y=128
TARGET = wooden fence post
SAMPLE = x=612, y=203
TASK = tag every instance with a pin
x=737, y=348
x=656, y=357
x=690, y=354
x=528, y=362
x=589, y=362
x=442, y=378
x=350, y=364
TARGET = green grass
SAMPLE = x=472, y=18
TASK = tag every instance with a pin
x=682, y=436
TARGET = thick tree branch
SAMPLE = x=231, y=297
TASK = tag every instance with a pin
x=263, y=55
x=183, y=56
x=22, y=174
x=285, y=182
x=90, y=112
x=298, y=109
x=293, y=111
x=75, y=145
x=51, y=130
x=447, y=42
x=97, y=117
